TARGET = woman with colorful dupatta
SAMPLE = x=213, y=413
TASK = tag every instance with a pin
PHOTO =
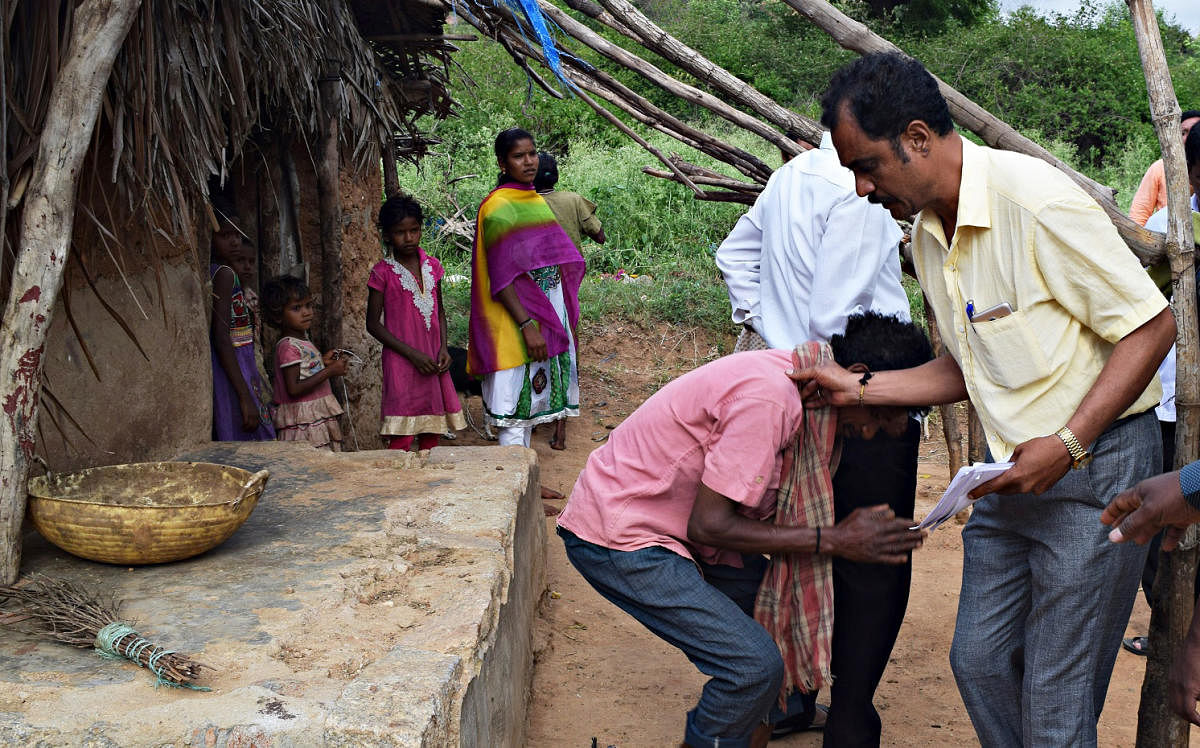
x=525, y=277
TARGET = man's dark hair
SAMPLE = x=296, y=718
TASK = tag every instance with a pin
x=547, y=173
x=1189, y=114
x=881, y=342
x=277, y=293
x=1191, y=148
x=885, y=91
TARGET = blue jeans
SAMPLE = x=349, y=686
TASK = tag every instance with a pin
x=1045, y=599
x=706, y=617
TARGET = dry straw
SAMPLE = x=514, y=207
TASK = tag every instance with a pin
x=65, y=612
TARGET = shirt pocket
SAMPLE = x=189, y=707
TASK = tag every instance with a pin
x=1008, y=351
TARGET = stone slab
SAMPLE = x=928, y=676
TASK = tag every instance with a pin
x=366, y=601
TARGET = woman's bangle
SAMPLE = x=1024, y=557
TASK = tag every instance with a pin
x=818, y=549
x=528, y=321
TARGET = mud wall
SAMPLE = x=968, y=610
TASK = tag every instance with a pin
x=361, y=249
x=127, y=374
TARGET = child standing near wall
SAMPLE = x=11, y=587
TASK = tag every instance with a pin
x=240, y=403
x=405, y=314
x=245, y=266
x=307, y=410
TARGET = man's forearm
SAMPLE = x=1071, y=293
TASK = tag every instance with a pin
x=713, y=523
x=934, y=383
x=1124, y=377
x=869, y=534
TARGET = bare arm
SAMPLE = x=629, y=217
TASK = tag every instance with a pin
x=939, y=381
x=1133, y=362
x=379, y=331
x=870, y=534
x=297, y=387
x=1039, y=463
x=535, y=344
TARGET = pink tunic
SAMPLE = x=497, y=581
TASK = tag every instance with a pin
x=414, y=403
x=724, y=425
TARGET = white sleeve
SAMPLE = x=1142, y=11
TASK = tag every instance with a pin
x=1157, y=221
x=858, y=243
x=740, y=258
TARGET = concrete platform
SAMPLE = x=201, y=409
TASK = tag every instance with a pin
x=361, y=604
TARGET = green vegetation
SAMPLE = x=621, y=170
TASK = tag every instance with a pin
x=1071, y=82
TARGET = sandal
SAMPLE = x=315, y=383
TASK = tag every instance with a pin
x=795, y=724
x=1139, y=645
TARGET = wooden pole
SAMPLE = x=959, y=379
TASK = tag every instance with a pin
x=852, y=35
x=519, y=51
x=659, y=78
x=99, y=28
x=270, y=178
x=391, y=180
x=1173, y=593
x=329, y=197
x=644, y=31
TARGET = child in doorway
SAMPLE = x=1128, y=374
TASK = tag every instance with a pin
x=245, y=262
x=307, y=410
x=404, y=312
x=240, y=403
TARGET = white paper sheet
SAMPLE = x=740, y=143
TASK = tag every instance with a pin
x=955, y=499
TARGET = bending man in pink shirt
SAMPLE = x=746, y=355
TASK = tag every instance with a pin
x=670, y=518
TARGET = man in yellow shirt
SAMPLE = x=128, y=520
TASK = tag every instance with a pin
x=1054, y=332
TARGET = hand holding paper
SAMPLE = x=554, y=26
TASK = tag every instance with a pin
x=954, y=500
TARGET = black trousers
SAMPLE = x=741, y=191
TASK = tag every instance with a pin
x=869, y=600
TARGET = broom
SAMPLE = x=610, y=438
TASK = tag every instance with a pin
x=67, y=613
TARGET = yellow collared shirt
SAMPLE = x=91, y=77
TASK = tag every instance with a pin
x=1028, y=236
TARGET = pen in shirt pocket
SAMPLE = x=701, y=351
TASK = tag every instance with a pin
x=970, y=308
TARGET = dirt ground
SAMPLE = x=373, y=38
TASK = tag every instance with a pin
x=600, y=676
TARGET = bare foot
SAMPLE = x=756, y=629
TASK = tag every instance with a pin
x=549, y=495
x=559, y=440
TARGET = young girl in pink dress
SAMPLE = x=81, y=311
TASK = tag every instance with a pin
x=307, y=410
x=404, y=312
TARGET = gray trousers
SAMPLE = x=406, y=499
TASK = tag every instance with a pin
x=1045, y=599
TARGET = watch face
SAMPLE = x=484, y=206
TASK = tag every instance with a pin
x=1082, y=460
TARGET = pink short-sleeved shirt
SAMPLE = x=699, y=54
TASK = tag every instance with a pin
x=724, y=425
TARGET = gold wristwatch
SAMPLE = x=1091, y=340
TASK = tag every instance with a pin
x=1080, y=457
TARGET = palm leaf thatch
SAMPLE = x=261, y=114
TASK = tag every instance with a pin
x=198, y=80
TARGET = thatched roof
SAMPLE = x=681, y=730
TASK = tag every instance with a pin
x=199, y=79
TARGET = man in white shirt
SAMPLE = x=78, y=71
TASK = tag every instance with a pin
x=810, y=253
x=806, y=256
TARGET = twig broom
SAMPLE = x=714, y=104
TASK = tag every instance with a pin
x=67, y=613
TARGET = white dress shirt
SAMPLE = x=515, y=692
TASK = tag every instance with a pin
x=810, y=252
x=1166, y=370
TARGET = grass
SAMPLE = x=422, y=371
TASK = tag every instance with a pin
x=686, y=291
x=655, y=228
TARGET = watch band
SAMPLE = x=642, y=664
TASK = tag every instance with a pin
x=1074, y=448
